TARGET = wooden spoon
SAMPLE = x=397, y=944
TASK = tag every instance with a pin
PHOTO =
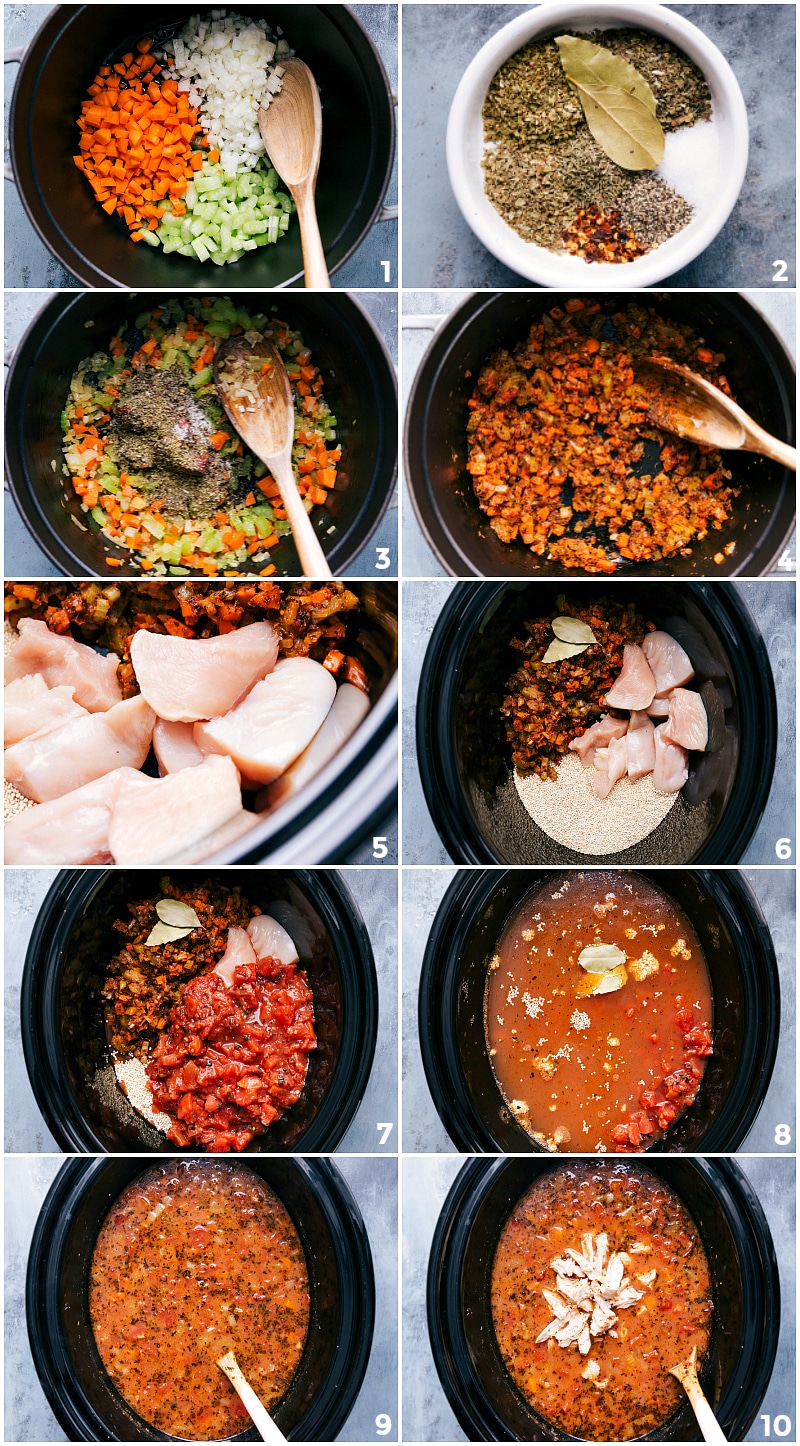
x=686, y=1373
x=259, y=1414
x=266, y=424
x=684, y=403
x=291, y=129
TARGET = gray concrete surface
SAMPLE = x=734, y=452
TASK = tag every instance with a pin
x=772, y=605
x=427, y=1415
x=779, y=307
x=28, y=261
x=423, y=891
x=27, y=1414
x=439, y=249
x=375, y=893
x=24, y=557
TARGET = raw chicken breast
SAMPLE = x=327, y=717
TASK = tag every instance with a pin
x=62, y=661
x=155, y=818
x=350, y=708
x=239, y=951
x=270, y=940
x=277, y=720
x=635, y=687
x=610, y=764
x=47, y=766
x=672, y=765
x=641, y=746
x=29, y=706
x=214, y=843
x=687, y=723
x=659, y=708
x=174, y=747
x=599, y=735
x=72, y=829
x=669, y=664
x=185, y=679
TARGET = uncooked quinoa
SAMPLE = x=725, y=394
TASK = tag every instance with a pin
x=567, y=809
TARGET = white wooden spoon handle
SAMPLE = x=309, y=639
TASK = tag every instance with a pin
x=706, y=1420
x=259, y=1414
x=760, y=441
x=312, y=559
x=314, y=263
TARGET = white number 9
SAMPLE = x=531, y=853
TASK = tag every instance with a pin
x=383, y=1425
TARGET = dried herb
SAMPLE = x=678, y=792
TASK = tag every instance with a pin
x=653, y=211
x=538, y=190
x=573, y=630
x=679, y=86
x=559, y=650
x=618, y=104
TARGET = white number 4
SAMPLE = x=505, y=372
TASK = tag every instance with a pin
x=387, y=1130
x=383, y=1424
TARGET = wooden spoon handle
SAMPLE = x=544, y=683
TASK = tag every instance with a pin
x=312, y=559
x=760, y=441
x=259, y=1414
x=314, y=263
x=706, y=1420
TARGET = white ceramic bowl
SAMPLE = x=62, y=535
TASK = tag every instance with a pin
x=713, y=198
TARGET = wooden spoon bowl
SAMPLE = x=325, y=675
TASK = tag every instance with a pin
x=291, y=129
x=682, y=402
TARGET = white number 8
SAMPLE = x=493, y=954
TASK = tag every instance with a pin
x=783, y=1135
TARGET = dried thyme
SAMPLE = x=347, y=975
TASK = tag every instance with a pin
x=538, y=189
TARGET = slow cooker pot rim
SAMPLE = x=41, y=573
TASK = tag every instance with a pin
x=56, y=310
x=477, y=1416
x=450, y=638
x=83, y=270
x=447, y=552
x=344, y=1378
x=40, y=1016
x=471, y=891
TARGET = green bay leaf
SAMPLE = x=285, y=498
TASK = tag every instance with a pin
x=594, y=65
x=176, y=913
x=572, y=630
x=623, y=126
x=559, y=650
x=165, y=934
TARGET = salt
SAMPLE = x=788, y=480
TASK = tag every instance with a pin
x=691, y=162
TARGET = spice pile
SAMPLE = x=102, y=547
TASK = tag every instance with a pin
x=562, y=453
x=154, y=459
x=544, y=170
x=169, y=139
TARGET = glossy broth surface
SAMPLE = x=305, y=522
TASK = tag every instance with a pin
x=590, y=1071
x=195, y=1259
x=619, y=1388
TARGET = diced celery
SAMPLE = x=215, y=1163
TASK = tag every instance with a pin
x=201, y=379
x=99, y=516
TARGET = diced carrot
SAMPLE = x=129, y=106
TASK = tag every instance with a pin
x=249, y=500
x=144, y=45
x=218, y=439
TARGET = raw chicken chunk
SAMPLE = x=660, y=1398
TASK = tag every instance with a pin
x=687, y=723
x=270, y=940
x=599, y=735
x=641, y=746
x=610, y=764
x=174, y=746
x=671, y=766
x=635, y=687
x=239, y=951
x=185, y=679
x=350, y=708
x=44, y=768
x=62, y=661
x=72, y=829
x=220, y=839
x=669, y=664
x=277, y=720
x=659, y=708
x=155, y=818
x=29, y=706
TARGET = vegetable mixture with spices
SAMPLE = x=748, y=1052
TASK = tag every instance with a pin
x=598, y=1013
x=197, y=1258
x=600, y=1282
x=563, y=457
x=158, y=466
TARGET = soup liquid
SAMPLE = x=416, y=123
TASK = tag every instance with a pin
x=631, y=1392
x=596, y=1072
x=196, y=1259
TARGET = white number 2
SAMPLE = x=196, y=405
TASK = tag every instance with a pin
x=779, y=270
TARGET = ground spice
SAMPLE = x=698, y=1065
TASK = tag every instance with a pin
x=653, y=211
x=160, y=433
x=542, y=167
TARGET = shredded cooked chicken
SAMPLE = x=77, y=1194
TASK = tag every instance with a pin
x=590, y=1288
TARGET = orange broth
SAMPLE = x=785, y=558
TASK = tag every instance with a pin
x=585, y=1071
x=664, y=1260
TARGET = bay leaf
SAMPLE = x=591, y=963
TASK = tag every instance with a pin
x=165, y=934
x=180, y=915
x=607, y=983
x=599, y=958
x=623, y=126
x=559, y=650
x=582, y=60
x=572, y=630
